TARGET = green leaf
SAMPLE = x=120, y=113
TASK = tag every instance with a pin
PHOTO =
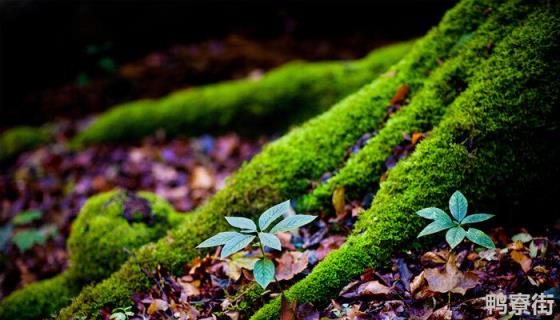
x=264, y=272
x=236, y=243
x=26, y=217
x=477, y=217
x=118, y=316
x=270, y=241
x=292, y=222
x=273, y=213
x=436, y=226
x=480, y=238
x=217, y=240
x=241, y=223
x=454, y=236
x=25, y=239
x=434, y=214
x=458, y=205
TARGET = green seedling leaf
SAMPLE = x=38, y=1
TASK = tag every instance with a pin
x=264, y=272
x=271, y=214
x=454, y=236
x=217, y=240
x=118, y=316
x=436, y=226
x=242, y=223
x=480, y=238
x=433, y=214
x=25, y=239
x=292, y=222
x=235, y=244
x=458, y=205
x=477, y=217
x=270, y=241
x=26, y=217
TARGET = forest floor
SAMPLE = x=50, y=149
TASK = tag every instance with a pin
x=44, y=189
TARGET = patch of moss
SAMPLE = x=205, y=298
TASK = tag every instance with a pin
x=284, y=167
x=101, y=234
x=19, y=139
x=497, y=142
x=97, y=244
x=282, y=97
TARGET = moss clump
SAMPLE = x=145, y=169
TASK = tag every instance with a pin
x=19, y=139
x=497, y=142
x=107, y=224
x=282, y=97
x=101, y=233
x=284, y=167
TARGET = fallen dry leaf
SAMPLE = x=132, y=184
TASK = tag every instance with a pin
x=329, y=244
x=358, y=289
x=339, y=202
x=290, y=264
x=450, y=278
x=374, y=288
x=286, y=240
x=523, y=260
x=417, y=282
x=354, y=313
x=201, y=178
x=416, y=137
x=401, y=93
x=157, y=305
x=433, y=257
x=442, y=314
x=237, y=262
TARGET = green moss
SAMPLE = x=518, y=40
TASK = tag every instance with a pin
x=497, y=142
x=284, y=96
x=19, y=139
x=41, y=299
x=362, y=171
x=101, y=234
x=97, y=246
x=284, y=167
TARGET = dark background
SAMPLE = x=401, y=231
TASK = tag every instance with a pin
x=43, y=44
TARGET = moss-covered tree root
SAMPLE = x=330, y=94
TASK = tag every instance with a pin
x=284, y=167
x=280, y=98
x=291, y=93
x=16, y=140
x=498, y=142
x=362, y=171
x=107, y=224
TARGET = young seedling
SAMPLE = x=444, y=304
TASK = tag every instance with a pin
x=121, y=313
x=455, y=231
x=264, y=270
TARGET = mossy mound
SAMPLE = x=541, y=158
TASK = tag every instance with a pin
x=284, y=168
x=19, y=139
x=109, y=225
x=282, y=97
